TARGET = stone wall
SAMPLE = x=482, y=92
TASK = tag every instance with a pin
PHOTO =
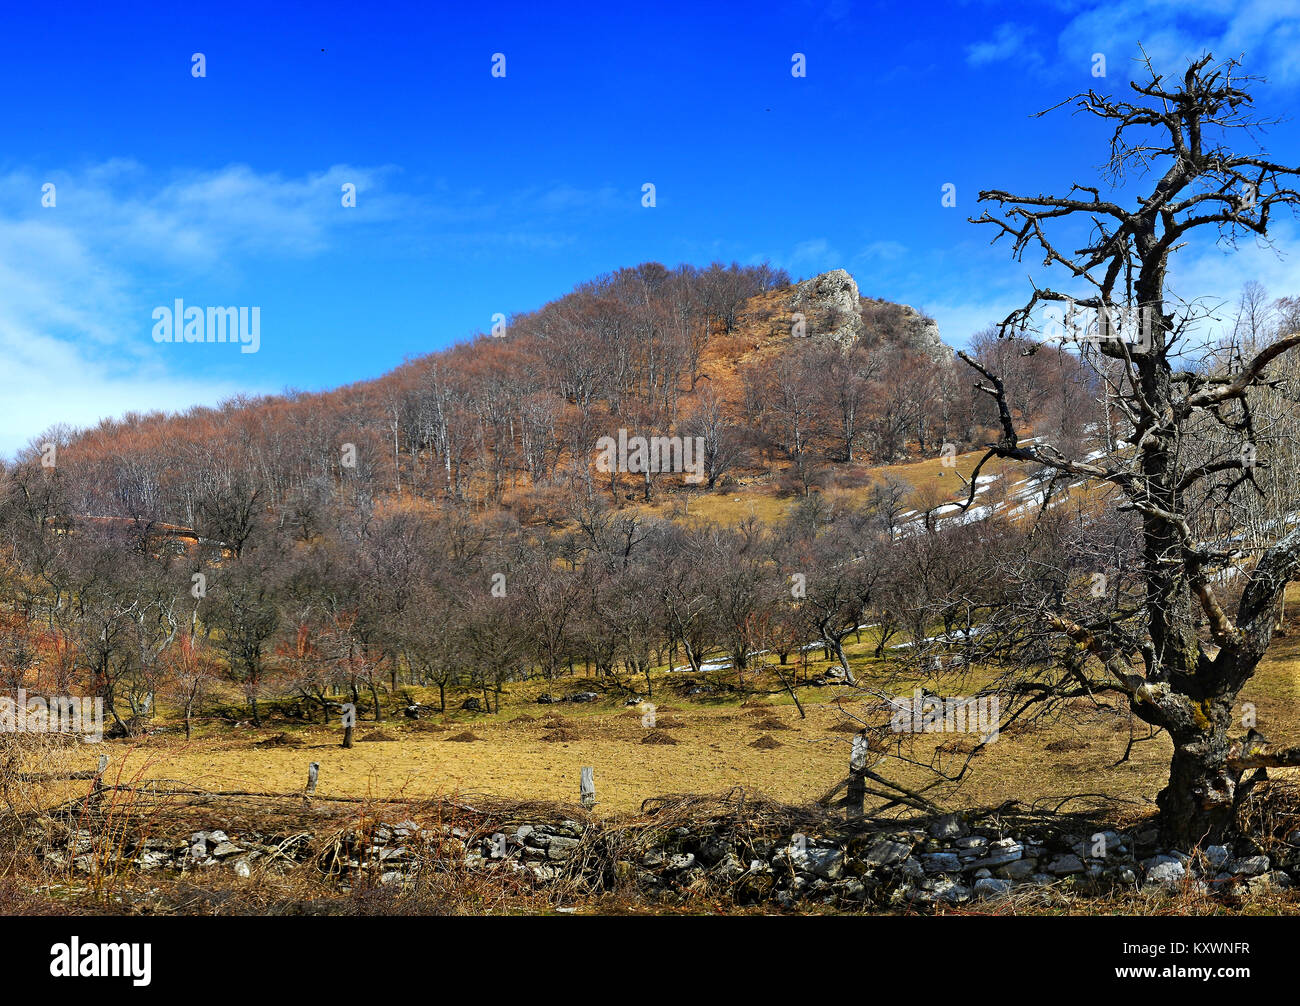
x=945, y=860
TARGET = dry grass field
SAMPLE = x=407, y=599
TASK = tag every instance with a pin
x=761, y=499
x=707, y=745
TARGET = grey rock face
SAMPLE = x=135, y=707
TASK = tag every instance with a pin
x=829, y=304
x=832, y=308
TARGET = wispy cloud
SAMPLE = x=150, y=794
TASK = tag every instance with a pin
x=193, y=219
x=71, y=276
x=73, y=306
x=1215, y=275
x=1266, y=31
x=1210, y=275
x=810, y=257
x=882, y=251
x=1008, y=40
x=1170, y=32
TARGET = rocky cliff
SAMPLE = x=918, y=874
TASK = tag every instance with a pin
x=833, y=308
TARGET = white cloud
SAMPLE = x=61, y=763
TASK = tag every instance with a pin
x=1266, y=31
x=197, y=218
x=1171, y=31
x=1008, y=40
x=813, y=256
x=959, y=320
x=882, y=251
x=70, y=277
x=1210, y=275
x=1216, y=275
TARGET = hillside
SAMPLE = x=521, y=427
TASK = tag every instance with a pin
x=792, y=388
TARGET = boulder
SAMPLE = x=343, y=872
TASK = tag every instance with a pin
x=1169, y=873
x=1103, y=845
x=886, y=852
x=1020, y=869
x=941, y=862
x=826, y=863
x=949, y=826
x=1001, y=852
x=988, y=887
x=560, y=847
x=1065, y=865
x=1249, y=866
x=945, y=890
x=1267, y=883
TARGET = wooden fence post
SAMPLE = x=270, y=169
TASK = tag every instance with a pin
x=349, y=721
x=587, y=787
x=857, y=791
x=313, y=771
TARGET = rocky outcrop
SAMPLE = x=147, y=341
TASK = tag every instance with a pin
x=829, y=305
x=832, y=308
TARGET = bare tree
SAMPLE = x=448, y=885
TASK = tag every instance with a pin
x=1150, y=649
x=722, y=448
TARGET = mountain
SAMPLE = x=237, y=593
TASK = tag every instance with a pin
x=776, y=377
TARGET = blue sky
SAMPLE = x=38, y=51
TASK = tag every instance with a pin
x=479, y=195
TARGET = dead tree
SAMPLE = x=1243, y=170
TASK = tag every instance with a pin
x=1178, y=133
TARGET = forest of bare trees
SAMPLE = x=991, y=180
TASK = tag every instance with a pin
x=443, y=526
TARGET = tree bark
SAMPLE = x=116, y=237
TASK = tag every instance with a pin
x=1197, y=804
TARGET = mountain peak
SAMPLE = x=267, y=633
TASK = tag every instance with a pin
x=830, y=306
